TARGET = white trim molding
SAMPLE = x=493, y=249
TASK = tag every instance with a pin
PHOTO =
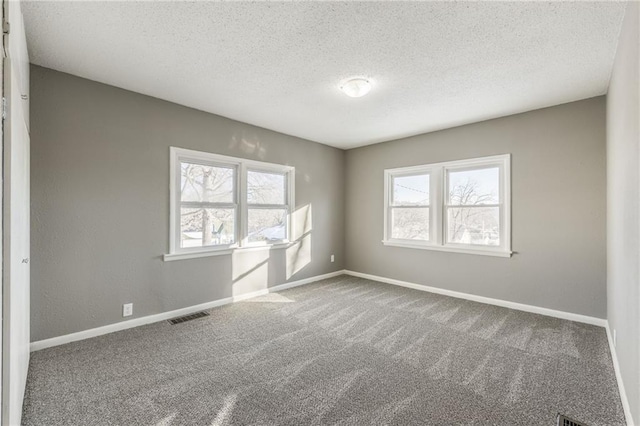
x=238, y=202
x=222, y=252
x=111, y=328
x=438, y=204
x=204, y=253
x=449, y=249
x=526, y=308
x=488, y=300
x=136, y=322
x=616, y=367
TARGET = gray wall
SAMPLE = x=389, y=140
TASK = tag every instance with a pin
x=100, y=205
x=558, y=209
x=623, y=214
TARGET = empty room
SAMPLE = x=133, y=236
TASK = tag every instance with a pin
x=317, y=213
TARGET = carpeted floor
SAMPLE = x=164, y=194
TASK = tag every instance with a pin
x=343, y=350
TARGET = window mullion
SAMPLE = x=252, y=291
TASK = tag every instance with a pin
x=267, y=206
x=237, y=206
x=242, y=201
x=438, y=201
x=174, y=198
x=471, y=206
x=205, y=205
x=386, y=235
x=291, y=182
x=475, y=217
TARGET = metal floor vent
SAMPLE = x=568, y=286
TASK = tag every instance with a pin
x=197, y=315
x=566, y=421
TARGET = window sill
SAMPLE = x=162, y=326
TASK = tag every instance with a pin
x=481, y=252
x=169, y=257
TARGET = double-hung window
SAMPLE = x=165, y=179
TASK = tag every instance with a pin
x=219, y=203
x=208, y=203
x=267, y=206
x=409, y=207
x=459, y=206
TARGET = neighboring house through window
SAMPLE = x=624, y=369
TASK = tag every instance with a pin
x=219, y=203
x=459, y=206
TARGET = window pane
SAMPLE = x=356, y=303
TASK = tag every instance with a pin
x=474, y=225
x=218, y=223
x=411, y=190
x=207, y=183
x=267, y=225
x=474, y=187
x=266, y=188
x=410, y=224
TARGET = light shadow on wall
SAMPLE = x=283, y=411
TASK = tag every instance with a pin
x=258, y=268
x=299, y=254
x=248, y=144
x=249, y=270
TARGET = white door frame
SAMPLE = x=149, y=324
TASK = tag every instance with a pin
x=15, y=215
x=3, y=50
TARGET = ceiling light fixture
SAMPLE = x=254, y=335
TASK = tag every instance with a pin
x=356, y=87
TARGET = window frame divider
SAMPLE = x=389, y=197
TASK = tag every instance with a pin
x=438, y=207
x=241, y=167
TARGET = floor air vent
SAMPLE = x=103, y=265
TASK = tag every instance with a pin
x=190, y=317
x=566, y=421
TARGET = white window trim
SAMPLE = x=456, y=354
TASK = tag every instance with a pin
x=437, y=206
x=245, y=206
x=241, y=166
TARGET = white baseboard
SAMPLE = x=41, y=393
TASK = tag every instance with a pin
x=521, y=307
x=616, y=368
x=498, y=302
x=136, y=322
x=99, y=331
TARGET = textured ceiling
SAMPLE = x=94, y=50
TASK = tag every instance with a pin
x=278, y=65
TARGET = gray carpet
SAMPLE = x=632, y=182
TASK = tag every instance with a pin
x=343, y=350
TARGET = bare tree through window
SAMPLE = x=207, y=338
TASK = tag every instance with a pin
x=458, y=206
x=473, y=207
x=208, y=205
x=267, y=206
x=220, y=203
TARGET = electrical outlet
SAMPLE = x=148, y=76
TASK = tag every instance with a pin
x=127, y=309
x=615, y=338
x=333, y=258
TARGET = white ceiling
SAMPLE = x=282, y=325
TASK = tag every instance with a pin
x=278, y=65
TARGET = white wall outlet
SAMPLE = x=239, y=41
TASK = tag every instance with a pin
x=615, y=338
x=127, y=309
x=333, y=258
